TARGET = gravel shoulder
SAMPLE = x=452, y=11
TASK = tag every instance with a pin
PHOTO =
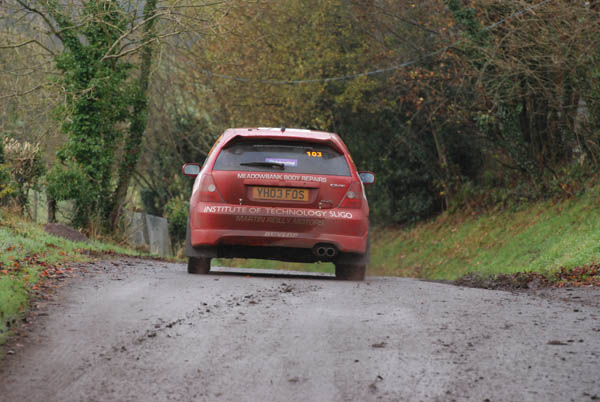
x=141, y=330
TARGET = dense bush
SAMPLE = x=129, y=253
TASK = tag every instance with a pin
x=176, y=211
x=70, y=182
x=22, y=168
x=5, y=179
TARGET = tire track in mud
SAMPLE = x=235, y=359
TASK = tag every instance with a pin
x=233, y=308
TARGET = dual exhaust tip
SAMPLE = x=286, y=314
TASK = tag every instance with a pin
x=325, y=251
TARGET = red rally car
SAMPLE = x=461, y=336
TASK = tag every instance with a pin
x=282, y=194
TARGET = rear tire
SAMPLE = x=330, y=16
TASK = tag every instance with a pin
x=198, y=265
x=350, y=272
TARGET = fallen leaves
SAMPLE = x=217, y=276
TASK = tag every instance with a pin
x=48, y=274
x=587, y=275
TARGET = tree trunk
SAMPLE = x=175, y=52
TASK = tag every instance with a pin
x=133, y=142
x=51, y=210
x=443, y=162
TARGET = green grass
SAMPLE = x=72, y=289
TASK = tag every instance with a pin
x=325, y=267
x=542, y=237
x=25, y=249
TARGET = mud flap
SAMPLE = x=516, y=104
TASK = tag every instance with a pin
x=197, y=252
x=355, y=258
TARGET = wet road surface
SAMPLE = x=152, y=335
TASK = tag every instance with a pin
x=138, y=330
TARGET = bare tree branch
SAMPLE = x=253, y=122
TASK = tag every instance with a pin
x=13, y=95
x=141, y=45
x=43, y=16
x=35, y=41
x=108, y=54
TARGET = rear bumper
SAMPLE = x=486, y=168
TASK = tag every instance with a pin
x=226, y=226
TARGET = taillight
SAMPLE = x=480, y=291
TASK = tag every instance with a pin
x=354, y=196
x=207, y=189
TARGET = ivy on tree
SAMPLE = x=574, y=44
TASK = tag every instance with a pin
x=101, y=102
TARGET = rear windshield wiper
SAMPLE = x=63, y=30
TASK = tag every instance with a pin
x=264, y=164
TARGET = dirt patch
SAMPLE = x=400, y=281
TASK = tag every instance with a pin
x=582, y=296
x=578, y=286
x=518, y=281
x=584, y=276
x=64, y=231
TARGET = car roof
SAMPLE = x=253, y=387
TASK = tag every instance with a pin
x=285, y=134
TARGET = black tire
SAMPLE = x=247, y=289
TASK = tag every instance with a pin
x=198, y=265
x=350, y=272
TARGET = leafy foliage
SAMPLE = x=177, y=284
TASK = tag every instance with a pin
x=98, y=97
x=21, y=171
x=176, y=211
x=69, y=183
x=534, y=77
x=329, y=39
x=5, y=179
x=191, y=138
x=101, y=103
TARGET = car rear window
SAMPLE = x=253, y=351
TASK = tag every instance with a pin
x=296, y=157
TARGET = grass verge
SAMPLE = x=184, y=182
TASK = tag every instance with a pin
x=546, y=237
x=325, y=267
x=28, y=256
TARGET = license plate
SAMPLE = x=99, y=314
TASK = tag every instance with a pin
x=280, y=193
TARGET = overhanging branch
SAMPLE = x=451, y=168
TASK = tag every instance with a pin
x=34, y=41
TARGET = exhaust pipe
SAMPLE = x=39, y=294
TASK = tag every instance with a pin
x=325, y=251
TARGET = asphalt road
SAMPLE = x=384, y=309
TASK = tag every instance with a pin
x=148, y=331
